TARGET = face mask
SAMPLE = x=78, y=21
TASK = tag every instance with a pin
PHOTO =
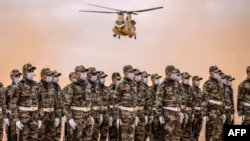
x=83, y=75
x=17, y=79
x=131, y=75
x=30, y=75
x=173, y=76
x=178, y=78
x=223, y=81
x=48, y=79
x=56, y=79
x=229, y=83
x=118, y=82
x=186, y=81
x=145, y=80
x=102, y=80
x=219, y=78
x=137, y=78
x=93, y=78
x=157, y=81
x=216, y=76
x=197, y=83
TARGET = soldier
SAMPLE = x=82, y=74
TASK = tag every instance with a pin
x=65, y=89
x=168, y=104
x=229, y=98
x=96, y=111
x=59, y=93
x=4, y=121
x=212, y=107
x=15, y=78
x=243, y=100
x=197, y=122
x=126, y=101
x=189, y=106
x=113, y=130
x=78, y=106
x=26, y=106
x=142, y=112
x=104, y=127
x=50, y=103
x=156, y=127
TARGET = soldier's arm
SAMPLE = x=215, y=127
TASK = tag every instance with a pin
x=149, y=102
x=3, y=102
x=8, y=94
x=14, y=102
x=205, y=97
x=57, y=105
x=40, y=104
x=117, y=100
x=232, y=101
x=67, y=105
x=240, y=99
x=157, y=104
x=147, y=105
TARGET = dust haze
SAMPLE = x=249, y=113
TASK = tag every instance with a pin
x=192, y=35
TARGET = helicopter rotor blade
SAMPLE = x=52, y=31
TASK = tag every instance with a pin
x=105, y=7
x=106, y=12
x=144, y=10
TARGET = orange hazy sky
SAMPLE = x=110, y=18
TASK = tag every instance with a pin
x=190, y=34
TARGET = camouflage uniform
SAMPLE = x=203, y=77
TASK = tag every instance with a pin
x=125, y=105
x=156, y=128
x=26, y=106
x=65, y=90
x=78, y=108
x=12, y=130
x=142, y=113
x=213, y=106
x=197, y=122
x=168, y=104
x=50, y=104
x=229, y=102
x=104, y=127
x=243, y=100
x=59, y=94
x=3, y=114
x=113, y=131
x=96, y=110
x=189, y=107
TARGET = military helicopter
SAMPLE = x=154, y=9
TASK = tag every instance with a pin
x=124, y=25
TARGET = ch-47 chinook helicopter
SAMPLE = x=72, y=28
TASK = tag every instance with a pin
x=124, y=25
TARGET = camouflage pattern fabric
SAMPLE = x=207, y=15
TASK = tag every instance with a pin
x=168, y=95
x=243, y=100
x=197, y=123
x=126, y=96
x=213, y=90
x=79, y=95
x=3, y=109
x=26, y=94
x=49, y=100
x=229, y=104
x=104, y=127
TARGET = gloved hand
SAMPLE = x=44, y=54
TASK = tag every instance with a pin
x=6, y=122
x=161, y=119
x=181, y=117
x=118, y=123
x=242, y=117
x=64, y=119
x=39, y=124
x=136, y=120
x=186, y=118
x=146, y=120
x=72, y=123
x=19, y=124
x=205, y=119
x=101, y=120
x=57, y=121
x=232, y=117
x=110, y=121
x=150, y=119
x=223, y=118
x=91, y=121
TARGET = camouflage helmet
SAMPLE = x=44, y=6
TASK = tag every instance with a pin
x=28, y=66
x=15, y=72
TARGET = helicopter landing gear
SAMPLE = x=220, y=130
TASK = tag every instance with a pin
x=119, y=37
x=114, y=35
x=130, y=36
x=135, y=37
